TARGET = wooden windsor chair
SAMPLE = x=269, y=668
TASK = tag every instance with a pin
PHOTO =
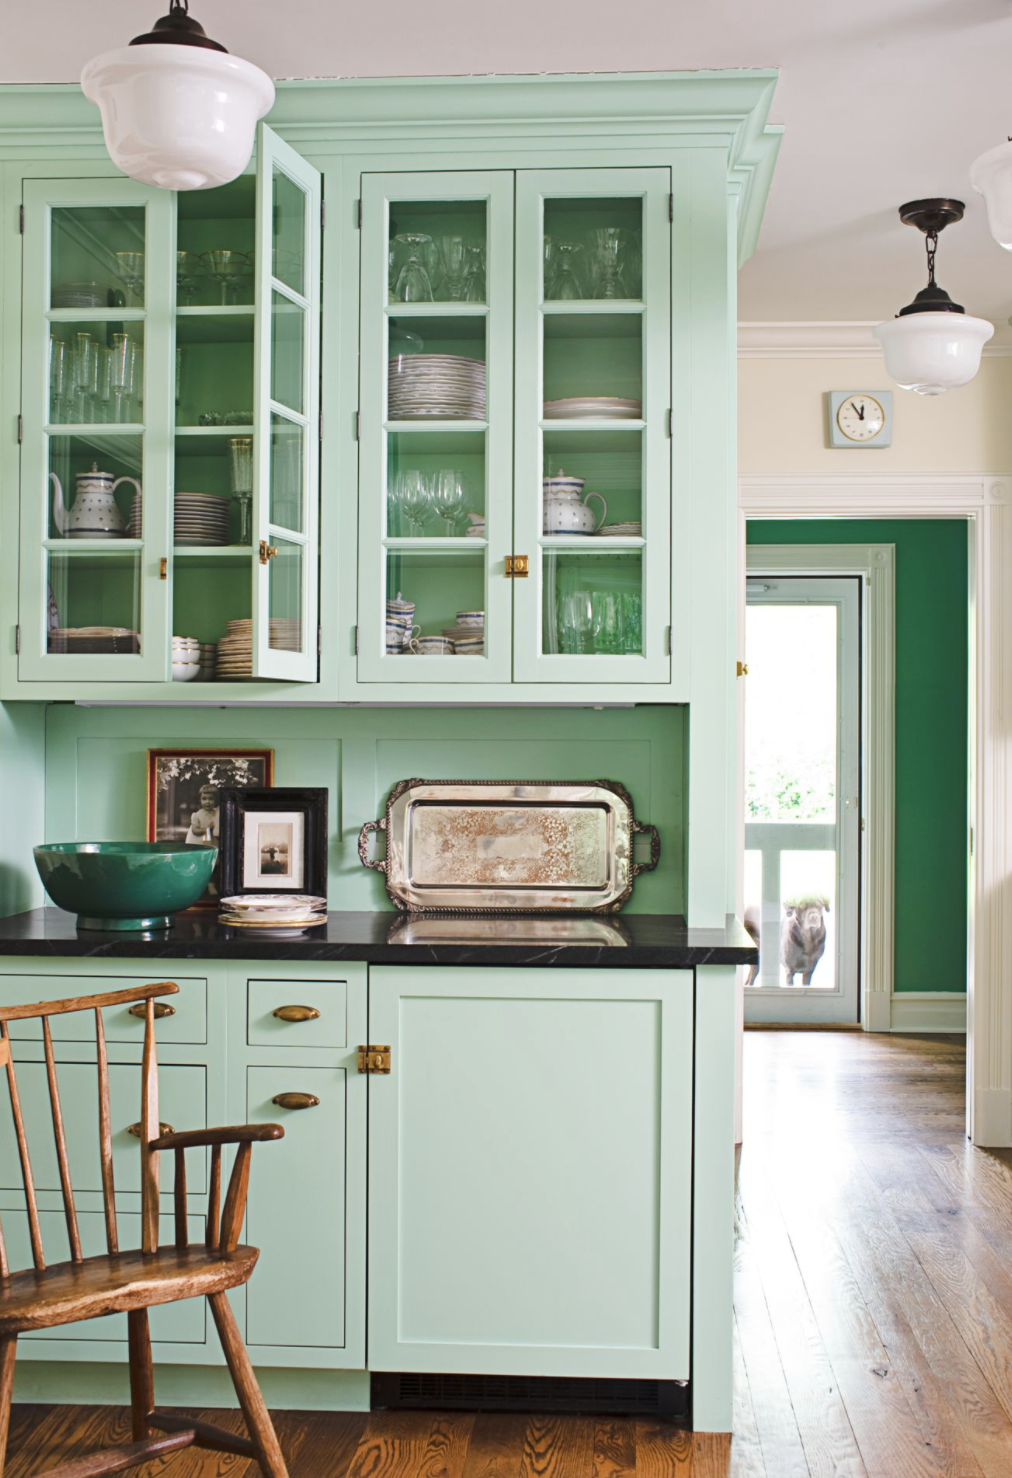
x=131, y=1282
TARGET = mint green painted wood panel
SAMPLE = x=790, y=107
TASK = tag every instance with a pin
x=529, y=1176
x=22, y=794
x=287, y=333
x=329, y=998
x=179, y=1323
x=593, y=322
x=449, y=576
x=188, y=1023
x=154, y=321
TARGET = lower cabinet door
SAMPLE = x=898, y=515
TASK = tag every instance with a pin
x=530, y=1172
x=298, y=1212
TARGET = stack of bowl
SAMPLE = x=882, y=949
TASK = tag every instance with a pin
x=400, y=627
x=185, y=659
x=468, y=636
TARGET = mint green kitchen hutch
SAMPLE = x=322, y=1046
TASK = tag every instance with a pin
x=288, y=351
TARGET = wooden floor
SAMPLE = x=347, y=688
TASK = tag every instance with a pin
x=874, y=1307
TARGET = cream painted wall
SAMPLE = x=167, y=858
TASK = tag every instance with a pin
x=782, y=420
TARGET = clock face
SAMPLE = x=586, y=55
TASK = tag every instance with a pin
x=860, y=417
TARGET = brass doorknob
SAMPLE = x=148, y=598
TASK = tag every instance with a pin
x=296, y=1013
x=161, y=1010
x=295, y=1100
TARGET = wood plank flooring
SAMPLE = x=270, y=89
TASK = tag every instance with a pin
x=873, y=1308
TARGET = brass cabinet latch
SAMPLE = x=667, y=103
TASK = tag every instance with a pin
x=741, y=669
x=517, y=566
x=374, y=1059
x=267, y=551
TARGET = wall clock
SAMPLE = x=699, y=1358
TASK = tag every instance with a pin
x=860, y=418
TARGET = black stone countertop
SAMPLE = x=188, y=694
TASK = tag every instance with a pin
x=630, y=941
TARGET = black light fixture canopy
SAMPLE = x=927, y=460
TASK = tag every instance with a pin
x=932, y=216
x=178, y=28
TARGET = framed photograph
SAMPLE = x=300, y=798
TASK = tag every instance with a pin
x=184, y=795
x=273, y=841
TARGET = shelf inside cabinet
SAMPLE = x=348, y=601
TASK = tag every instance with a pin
x=584, y=428
x=429, y=424
x=458, y=548
x=588, y=544
x=198, y=433
x=437, y=310
x=78, y=547
x=113, y=314
x=593, y=307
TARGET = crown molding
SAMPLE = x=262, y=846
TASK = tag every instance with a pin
x=831, y=339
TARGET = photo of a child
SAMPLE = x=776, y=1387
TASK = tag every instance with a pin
x=184, y=794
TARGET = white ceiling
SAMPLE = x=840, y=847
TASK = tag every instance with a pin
x=883, y=101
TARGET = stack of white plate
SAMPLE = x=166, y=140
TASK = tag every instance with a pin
x=201, y=518
x=593, y=408
x=235, y=650
x=273, y=913
x=447, y=385
x=631, y=530
x=80, y=295
x=208, y=660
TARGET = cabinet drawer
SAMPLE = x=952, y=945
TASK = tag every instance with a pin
x=187, y=1023
x=327, y=1029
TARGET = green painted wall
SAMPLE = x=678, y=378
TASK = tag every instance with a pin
x=931, y=732
x=96, y=768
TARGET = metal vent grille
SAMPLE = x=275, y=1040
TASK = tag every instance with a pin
x=669, y=1399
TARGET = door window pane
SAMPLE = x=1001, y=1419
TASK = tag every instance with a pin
x=807, y=908
x=435, y=604
x=437, y=251
x=286, y=472
x=593, y=604
x=593, y=366
x=97, y=257
x=436, y=485
x=593, y=249
x=288, y=232
x=791, y=713
x=287, y=352
x=437, y=369
x=96, y=373
x=285, y=603
x=94, y=604
x=94, y=491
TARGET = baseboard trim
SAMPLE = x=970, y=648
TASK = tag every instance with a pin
x=927, y=1011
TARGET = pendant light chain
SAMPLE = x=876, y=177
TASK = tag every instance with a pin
x=931, y=246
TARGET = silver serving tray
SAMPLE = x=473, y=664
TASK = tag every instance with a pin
x=515, y=846
x=557, y=929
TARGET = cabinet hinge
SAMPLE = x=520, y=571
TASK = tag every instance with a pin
x=320, y=428
x=356, y=641
x=671, y=207
x=358, y=214
x=374, y=1059
x=17, y=650
x=669, y=420
x=667, y=641
x=21, y=427
x=971, y=841
x=21, y=219
x=358, y=425
x=319, y=640
x=323, y=215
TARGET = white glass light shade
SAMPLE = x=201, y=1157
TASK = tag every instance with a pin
x=181, y=117
x=991, y=176
x=933, y=352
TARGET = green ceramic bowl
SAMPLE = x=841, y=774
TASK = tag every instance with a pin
x=124, y=885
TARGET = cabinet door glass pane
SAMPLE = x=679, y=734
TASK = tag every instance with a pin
x=286, y=576
x=94, y=604
x=287, y=352
x=593, y=604
x=97, y=257
x=286, y=473
x=593, y=248
x=437, y=251
x=96, y=372
x=288, y=233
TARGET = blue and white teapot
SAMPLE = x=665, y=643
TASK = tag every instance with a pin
x=95, y=513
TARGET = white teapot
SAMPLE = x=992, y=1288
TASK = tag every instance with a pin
x=95, y=513
x=565, y=512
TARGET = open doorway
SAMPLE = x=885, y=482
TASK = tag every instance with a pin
x=803, y=710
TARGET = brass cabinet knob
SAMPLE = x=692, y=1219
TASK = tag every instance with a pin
x=161, y=1010
x=135, y=1129
x=267, y=551
x=295, y=1100
x=296, y=1013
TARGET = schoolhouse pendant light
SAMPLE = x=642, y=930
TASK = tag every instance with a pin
x=991, y=176
x=932, y=345
x=177, y=110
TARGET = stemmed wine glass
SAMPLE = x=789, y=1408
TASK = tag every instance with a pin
x=609, y=260
x=122, y=373
x=473, y=290
x=190, y=268
x=448, y=499
x=413, y=283
x=412, y=494
x=59, y=376
x=226, y=267
x=451, y=253
x=240, y=451
x=130, y=266
x=563, y=286
x=84, y=360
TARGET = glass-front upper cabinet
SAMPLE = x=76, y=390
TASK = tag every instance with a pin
x=435, y=521
x=593, y=450
x=170, y=429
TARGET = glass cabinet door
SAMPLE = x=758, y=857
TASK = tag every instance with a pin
x=592, y=449
x=97, y=415
x=435, y=510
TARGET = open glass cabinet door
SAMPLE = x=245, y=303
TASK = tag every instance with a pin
x=97, y=417
x=286, y=414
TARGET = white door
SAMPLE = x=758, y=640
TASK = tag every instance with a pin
x=803, y=796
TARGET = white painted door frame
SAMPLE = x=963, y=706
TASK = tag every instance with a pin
x=985, y=501
x=768, y=1000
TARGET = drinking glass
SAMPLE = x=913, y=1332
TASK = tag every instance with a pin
x=240, y=452
x=609, y=260
x=564, y=286
x=59, y=366
x=451, y=254
x=226, y=267
x=122, y=374
x=190, y=270
x=632, y=623
x=414, y=495
x=575, y=621
x=130, y=266
x=474, y=289
x=414, y=284
x=449, y=497
x=104, y=387
x=84, y=359
x=606, y=621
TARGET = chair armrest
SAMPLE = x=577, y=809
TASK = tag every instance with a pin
x=203, y=1138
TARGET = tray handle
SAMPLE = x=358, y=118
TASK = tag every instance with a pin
x=363, y=845
x=635, y=868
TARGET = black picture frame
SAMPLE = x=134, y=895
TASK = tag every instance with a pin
x=242, y=809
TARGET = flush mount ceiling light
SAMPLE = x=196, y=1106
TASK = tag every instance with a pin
x=177, y=110
x=932, y=345
x=991, y=176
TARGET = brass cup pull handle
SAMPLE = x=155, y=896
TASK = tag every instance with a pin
x=295, y=1100
x=296, y=1013
x=135, y=1129
x=161, y=1010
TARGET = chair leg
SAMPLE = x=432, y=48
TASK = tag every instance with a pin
x=7, y=1349
x=254, y=1408
x=142, y=1376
